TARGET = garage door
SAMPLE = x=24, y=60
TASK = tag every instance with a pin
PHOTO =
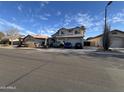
x=117, y=43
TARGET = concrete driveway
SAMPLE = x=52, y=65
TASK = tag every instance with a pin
x=34, y=70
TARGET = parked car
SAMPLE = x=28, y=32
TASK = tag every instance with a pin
x=58, y=44
x=67, y=45
x=78, y=46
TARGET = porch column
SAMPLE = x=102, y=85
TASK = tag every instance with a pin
x=45, y=41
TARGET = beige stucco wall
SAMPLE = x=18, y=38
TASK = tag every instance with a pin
x=116, y=40
x=32, y=41
x=72, y=40
x=117, y=35
x=96, y=41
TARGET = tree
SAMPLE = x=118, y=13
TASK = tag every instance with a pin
x=5, y=41
x=1, y=35
x=13, y=33
x=106, y=38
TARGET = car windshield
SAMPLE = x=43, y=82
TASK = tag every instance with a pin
x=68, y=43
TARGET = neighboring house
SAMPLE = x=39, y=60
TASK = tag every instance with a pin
x=16, y=40
x=35, y=40
x=116, y=39
x=95, y=41
x=73, y=35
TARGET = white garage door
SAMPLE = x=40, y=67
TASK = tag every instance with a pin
x=117, y=43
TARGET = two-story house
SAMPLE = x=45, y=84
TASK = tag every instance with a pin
x=72, y=35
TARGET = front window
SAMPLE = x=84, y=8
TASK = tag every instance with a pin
x=77, y=32
x=62, y=33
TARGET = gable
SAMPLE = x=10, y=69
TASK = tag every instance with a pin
x=117, y=33
x=28, y=38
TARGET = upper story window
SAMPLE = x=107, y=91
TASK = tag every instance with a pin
x=114, y=32
x=62, y=33
x=77, y=32
x=69, y=31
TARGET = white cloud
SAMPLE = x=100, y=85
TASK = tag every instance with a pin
x=31, y=20
x=8, y=24
x=30, y=11
x=2, y=23
x=13, y=18
x=49, y=30
x=79, y=19
x=84, y=19
x=67, y=20
x=117, y=20
x=43, y=3
x=19, y=7
x=23, y=33
x=30, y=32
x=47, y=14
x=43, y=18
x=34, y=25
x=59, y=13
x=118, y=17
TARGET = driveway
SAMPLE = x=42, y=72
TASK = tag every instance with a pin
x=34, y=70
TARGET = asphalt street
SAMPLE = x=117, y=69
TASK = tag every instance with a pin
x=40, y=71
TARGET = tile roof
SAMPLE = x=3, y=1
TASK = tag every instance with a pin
x=39, y=36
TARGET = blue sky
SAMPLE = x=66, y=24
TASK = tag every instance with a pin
x=46, y=17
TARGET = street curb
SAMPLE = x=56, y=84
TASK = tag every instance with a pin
x=18, y=48
x=108, y=53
